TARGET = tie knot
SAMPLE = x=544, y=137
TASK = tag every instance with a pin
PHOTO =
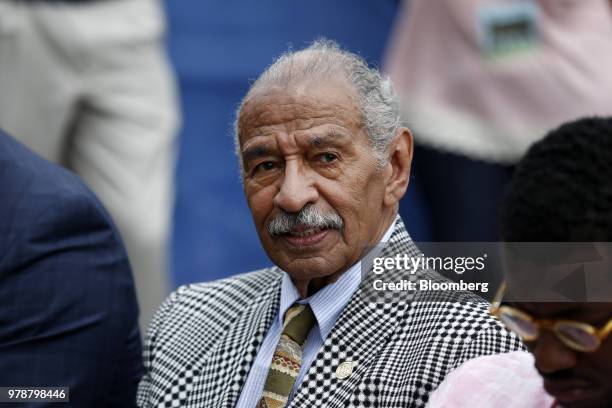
x=298, y=321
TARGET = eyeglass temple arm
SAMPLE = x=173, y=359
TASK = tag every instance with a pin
x=498, y=297
x=606, y=330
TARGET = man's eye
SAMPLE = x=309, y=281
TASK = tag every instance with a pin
x=327, y=157
x=265, y=166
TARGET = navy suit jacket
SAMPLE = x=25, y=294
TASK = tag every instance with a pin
x=68, y=309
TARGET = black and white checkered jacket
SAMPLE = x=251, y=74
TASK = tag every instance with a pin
x=204, y=338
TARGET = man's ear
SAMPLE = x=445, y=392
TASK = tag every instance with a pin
x=398, y=168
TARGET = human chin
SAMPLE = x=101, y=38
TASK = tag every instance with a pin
x=310, y=268
x=320, y=259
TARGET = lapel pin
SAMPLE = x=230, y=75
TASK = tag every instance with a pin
x=344, y=370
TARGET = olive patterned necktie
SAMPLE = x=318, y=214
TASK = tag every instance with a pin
x=287, y=358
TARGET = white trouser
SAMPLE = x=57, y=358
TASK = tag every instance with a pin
x=88, y=86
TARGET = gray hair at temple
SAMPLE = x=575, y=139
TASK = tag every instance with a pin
x=323, y=60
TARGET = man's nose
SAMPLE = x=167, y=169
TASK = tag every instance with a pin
x=297, y=189
x=551, y=355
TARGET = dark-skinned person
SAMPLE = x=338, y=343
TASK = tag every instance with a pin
x=557, y=296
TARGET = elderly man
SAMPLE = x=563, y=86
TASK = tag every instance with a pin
x=324, y=163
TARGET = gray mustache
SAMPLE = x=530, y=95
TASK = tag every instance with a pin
x=309, y=216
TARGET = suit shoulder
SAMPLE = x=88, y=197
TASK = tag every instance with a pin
x=213, y=305
x=26, y=174
x=34, y=189
x=450, y=312
x=229, y=294
x=241, y=288
x=256, y=279
x=465, y=321
x=470, y=310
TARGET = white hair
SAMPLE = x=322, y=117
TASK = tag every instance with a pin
x=323, y=60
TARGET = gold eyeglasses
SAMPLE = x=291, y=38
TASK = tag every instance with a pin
x=578, y=336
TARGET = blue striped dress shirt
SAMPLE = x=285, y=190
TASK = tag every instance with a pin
x=326, y=304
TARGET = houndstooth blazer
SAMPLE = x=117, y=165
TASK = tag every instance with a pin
x=204, y=338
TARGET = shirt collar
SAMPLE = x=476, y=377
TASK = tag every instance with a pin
x=329, y=301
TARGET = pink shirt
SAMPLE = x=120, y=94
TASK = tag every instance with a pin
x=507, y=380
x=460, y=97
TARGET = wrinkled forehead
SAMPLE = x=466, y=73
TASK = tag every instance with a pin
x=298, y=108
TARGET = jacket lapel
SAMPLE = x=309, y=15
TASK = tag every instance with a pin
x=223, y=374
x=356, y=339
